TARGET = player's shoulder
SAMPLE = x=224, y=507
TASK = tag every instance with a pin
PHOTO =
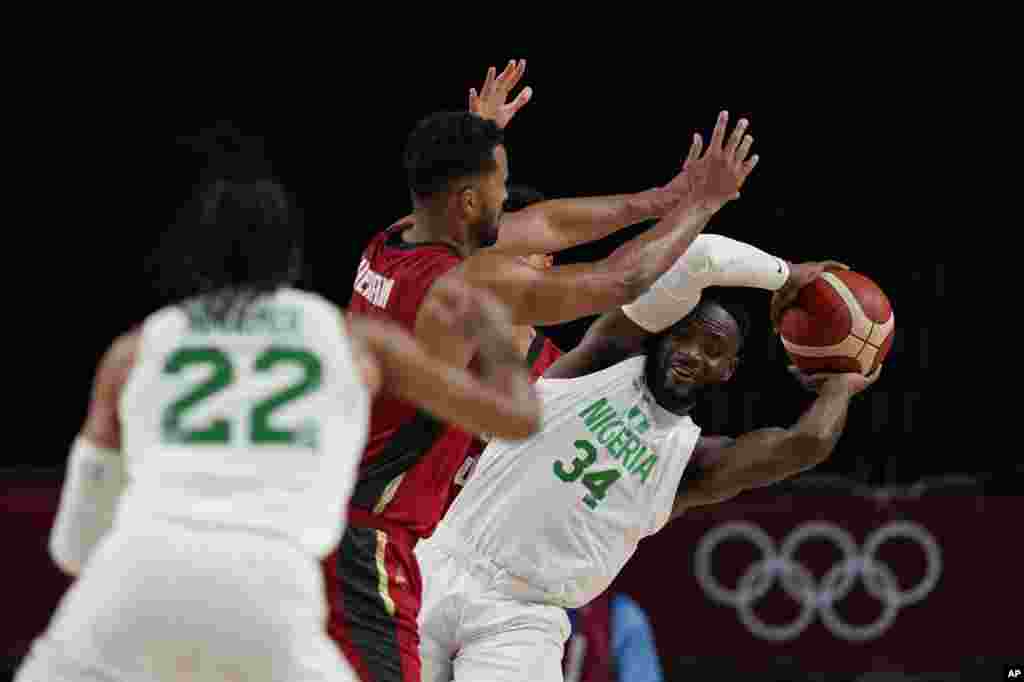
x=388, y=250
x=306, y=299
x=404, y=271
x=620, y=376
x=117, y=362
x=165, y=322
x=124, y=347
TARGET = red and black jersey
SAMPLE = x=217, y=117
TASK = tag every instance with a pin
x=405, y=478
x=410, y=457
x=541, y=355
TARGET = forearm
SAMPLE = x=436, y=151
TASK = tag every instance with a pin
x=93, y=485
x=550, y=296
x=501, y=401
x=823, y=423
x=715, y=260
x=558, y=224
x=712, y=260
x=766, y=456
x=641, y=261
x=586, y=219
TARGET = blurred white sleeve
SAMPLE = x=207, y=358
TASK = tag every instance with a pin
x=93, y=484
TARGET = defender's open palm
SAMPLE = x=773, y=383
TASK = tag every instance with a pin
x=492, y=102
x=714, y=179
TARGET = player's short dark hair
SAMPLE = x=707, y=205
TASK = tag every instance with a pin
x=521, y=196
x=232, y=243
x=449, y=146
x=716, y=296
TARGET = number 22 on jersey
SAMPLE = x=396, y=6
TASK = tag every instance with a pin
x=219, y=431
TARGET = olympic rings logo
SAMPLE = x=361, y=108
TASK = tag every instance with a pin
x=799, y=583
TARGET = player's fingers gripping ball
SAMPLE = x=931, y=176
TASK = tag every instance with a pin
x=840, y=322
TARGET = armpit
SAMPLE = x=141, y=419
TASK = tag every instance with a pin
x=710, y=450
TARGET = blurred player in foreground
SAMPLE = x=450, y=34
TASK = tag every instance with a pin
x=219, y=451
x=549, y=522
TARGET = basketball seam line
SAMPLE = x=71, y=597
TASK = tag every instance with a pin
x=867, y=341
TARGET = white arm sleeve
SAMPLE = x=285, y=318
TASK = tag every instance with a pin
x=712, y=260
x=92, y=487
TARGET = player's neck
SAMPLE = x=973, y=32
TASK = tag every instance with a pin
x=429, y=228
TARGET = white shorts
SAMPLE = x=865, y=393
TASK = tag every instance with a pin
x=162, y=600
x=477, y=623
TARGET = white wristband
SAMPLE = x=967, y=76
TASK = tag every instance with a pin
x=92, y=487
x=712, y=260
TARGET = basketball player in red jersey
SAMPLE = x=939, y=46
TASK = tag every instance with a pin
x=458, y=169
x=538, y=350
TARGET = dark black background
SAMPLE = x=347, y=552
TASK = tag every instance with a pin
x=832, y=183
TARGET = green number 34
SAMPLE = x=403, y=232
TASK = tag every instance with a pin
x=597, y=482
x=219, y=431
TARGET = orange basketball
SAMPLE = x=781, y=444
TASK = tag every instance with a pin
x=840, y=322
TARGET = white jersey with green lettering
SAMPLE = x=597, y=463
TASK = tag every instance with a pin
x=257, y=423
x=565, y=509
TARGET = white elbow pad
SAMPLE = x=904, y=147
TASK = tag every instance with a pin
x=712, y=260
x=92, y=487
x=660, y=307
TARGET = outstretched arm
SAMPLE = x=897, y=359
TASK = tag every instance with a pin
x=712, y=260
x=702, y=187
x=568, y=292
x=725, y=467
x=500, y=400
x=558, y=224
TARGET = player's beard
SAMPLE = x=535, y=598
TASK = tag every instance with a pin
x=673, y=393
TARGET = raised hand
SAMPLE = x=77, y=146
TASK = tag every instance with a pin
x=800, y=275
x=491, y=102
x=714, y=179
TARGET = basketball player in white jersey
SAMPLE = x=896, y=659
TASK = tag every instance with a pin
x=548, y=523
x=219, y=450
